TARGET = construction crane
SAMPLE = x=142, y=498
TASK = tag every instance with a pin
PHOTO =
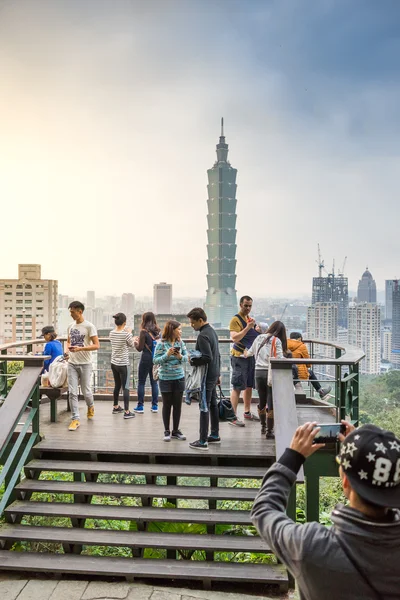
x=320, y=263
x=283, y=312
x=341, y=271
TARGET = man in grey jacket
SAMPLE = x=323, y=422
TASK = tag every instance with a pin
x=359, y=556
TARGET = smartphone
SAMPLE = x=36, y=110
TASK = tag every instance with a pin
x=329, y=433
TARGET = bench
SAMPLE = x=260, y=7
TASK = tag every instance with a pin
x=53, y=394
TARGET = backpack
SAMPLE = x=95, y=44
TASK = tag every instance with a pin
x=58, y=372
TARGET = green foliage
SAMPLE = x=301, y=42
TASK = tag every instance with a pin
x=13, y=368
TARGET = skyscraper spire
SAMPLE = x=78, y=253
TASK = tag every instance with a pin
x=222, y=127
x=222, y=147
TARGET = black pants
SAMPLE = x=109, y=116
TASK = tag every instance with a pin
x=313, y=380
x=172, y=394
x=264, y=390
x=121, y=380
x=212, y=414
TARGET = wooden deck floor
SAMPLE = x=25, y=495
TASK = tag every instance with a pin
x=143, y=435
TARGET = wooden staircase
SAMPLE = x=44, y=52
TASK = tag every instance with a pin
x=203, y=527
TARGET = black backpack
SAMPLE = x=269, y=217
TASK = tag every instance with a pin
x=225, y=410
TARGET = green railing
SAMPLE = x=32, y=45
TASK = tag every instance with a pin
x=17, y=438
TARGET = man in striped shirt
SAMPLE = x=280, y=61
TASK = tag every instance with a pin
x=121, y=340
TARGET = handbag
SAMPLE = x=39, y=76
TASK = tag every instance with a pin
x=225, y=409
x=272, y=354
x=156, y=371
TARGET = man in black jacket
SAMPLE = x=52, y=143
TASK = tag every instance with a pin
x=207, y=344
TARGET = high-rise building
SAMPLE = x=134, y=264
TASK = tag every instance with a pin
x=322, y=321
x=162, y=298
x=221, y=301
x=128, y=306
x=389, y=285
x=91, y=299
x=322, y=324
x=396, y=324
x=387, y=344
x=365, y=333
x=63, y=301
x=366, y=288
x=333, y=288
x=27, y=304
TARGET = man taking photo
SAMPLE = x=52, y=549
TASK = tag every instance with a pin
x=359, y=556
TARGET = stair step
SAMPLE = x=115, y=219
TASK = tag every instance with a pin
x=138, y=490
x=128, y=513
x=134, y=539
x=82, y=466
x=171, y=569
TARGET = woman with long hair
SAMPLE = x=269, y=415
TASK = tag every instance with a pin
x=170, y=355
x=145, y=343
x=271, y=344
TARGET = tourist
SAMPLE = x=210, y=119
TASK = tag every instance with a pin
x=145, y=343
x=265, y=346
x=207, y=345
x=299, y=350
x=358, y=557
x=53, y=347
x=170, y=355
x=121, y=340
x=243, y=333
x=82, y=340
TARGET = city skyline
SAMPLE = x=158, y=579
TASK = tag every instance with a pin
x=101, y=128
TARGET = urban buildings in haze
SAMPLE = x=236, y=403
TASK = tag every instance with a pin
x=366, y=288
x=221, y=301
x=128, y=306
x=396, y=324
x=91, y=299
x=322, y=321
x=27, y=304
x=332, y=288
x=162, y=298
x=365, y=332
x=389, y=286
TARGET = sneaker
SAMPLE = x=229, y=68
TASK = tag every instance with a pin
x=237, y=422
x=213, y=439
x=117, y=411
x=139, y=409
x=298, y=386
x=74, y=425
x=167, y=436
x=270, y=435
x=178, y=435
x=154, y=408
x=324, y=392
x=250, y=416
x=198, y=445
x=90, y=412
x=129, y=415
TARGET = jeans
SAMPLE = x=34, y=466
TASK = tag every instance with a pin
x=121, y=379
x=264, y=390
x=313, y=380
x=146, y=369
x=172, y=394
x=212, y=414
x=79, y=375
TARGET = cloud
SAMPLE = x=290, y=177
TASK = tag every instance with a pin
x=110, y=118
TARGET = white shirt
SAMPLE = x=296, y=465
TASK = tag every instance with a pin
x=262, y=355
x=79, y=335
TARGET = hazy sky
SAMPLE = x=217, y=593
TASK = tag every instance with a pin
x=109, y=116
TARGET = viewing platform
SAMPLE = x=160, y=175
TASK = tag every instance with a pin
x=159, y=510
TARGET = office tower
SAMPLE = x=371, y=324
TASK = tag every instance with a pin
x=91, y=299
x=221, y=301
x=27, y=304
x=389, y=285
x=98, y=317
x=128, y=306
x=63, y=301
x=162, y=298
x=366, y=288
x=332, y=288
x=396, y=324
x=365, y=333
x=387, y=344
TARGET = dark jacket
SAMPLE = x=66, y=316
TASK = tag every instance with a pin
x=145, y=343
x=328, y=562
x=207, y=344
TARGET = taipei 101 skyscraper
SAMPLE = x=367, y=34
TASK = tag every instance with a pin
x=221, y=302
